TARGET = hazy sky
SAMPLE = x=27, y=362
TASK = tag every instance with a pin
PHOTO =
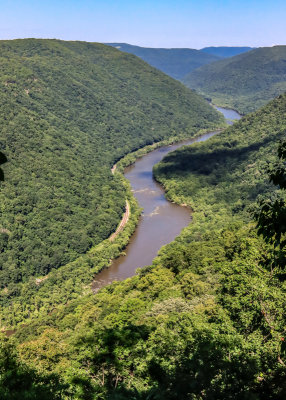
x=157, y=23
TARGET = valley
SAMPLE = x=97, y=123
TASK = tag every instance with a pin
x=88, y=105
x=211, y=301
x=143, y=228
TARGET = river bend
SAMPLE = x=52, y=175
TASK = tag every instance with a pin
x=161, y=220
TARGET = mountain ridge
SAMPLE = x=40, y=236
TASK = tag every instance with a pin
x=175, y=62
x=226, y=51
x=244, y=82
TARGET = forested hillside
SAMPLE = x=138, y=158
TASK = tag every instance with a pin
x=244, y=82
x=174, y=62
x=68, y=111
x=207, y=319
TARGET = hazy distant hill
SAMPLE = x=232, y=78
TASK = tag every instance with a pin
x=244, y=82
x=68, y=111
x=225, y=51
x=174, y=62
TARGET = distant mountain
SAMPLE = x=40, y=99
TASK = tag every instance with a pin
x=225, y=51
x=244, y=82
x=174, y=62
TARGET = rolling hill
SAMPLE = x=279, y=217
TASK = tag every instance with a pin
x=244, y=82
x=174, y=62
x=225, y=51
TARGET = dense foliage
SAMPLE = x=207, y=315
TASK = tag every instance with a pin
x=207, y=319
x=174, y=62
x=244, y=82
x=18, y=382
x=68, y=111
x=225, y=51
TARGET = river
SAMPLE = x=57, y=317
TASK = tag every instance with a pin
x=161, y=220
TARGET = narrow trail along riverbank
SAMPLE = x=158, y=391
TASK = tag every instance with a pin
x=113, y=169
x=123, y=222
x=161, y=220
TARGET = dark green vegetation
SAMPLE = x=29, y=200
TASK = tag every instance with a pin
x=18, y=382
x=225, y=51
x=174, y=62
x=207, y=319
x=271, y=211
x=244, y=82
x=68, y=111
x=3, y=160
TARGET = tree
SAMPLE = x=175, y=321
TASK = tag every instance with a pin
x=18, y=382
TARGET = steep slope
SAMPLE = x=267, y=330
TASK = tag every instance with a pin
x=207, y=319
x=174, y=62
x=244, y=82
x=68, y=111
x=225, y=51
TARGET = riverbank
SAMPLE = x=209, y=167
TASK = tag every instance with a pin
x=73, y=280
x=123, y=222
x=161, y=220
x=132, y=157
x=226, y=105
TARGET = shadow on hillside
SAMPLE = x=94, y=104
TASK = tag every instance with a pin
x=204, y=160
x=19, y=382
x=3, y=160
x=201, y=366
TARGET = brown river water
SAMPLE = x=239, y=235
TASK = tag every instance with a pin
x=161, y=220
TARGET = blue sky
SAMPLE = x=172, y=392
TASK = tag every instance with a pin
x=156, y=23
